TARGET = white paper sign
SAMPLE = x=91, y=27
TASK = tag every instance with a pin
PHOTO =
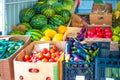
x=39, y=47
x=80, y=78
x=110, y=79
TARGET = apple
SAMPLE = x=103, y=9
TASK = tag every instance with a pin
x=115, y=38
x=97, y=28
x=107, y=29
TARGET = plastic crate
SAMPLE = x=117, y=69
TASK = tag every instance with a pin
x=73, y=69
x=108, y=50
x=107, y=68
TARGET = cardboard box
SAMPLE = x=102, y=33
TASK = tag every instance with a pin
x=6, y=65
x=52, y=70
x=102, y=7
x=101, y=14
x=100, y=19
x=71, y=32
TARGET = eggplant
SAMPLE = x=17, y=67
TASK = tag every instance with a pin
x=94, y=46
x=68, y=47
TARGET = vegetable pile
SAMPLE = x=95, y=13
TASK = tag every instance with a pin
x=8, y=47
x=75, y=51
x=44, y=55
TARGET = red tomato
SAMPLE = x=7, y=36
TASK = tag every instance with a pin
x=45, y=50
x=44, y=60
x=40, y=55
x=52, y=50
x=26, y=58
x=53, y=55
x=57, y=54
x=51, y=60
x=47, y=55
x=54, y=47
x=56, y=59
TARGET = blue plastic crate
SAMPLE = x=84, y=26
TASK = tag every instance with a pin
x=108, y=50
x=73, y=69
x=107, y=68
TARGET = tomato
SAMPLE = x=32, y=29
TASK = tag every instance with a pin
x=44, y=60
x=54, y=47
x=40, y=55
x=47, y=55
x=51, y=60
x=45, y=50
x=53, y=55
x=52, y=50
x=56, y=59
x=26, y=58
x=57, y=53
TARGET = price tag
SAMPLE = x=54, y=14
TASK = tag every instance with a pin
x=80, y=78
x=114, y=46
x=110, y=79
x=39, y=47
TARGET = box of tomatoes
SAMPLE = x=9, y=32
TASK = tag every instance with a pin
x=40, y=60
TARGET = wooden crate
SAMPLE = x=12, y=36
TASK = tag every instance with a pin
x=6, y=65
x=46, y=69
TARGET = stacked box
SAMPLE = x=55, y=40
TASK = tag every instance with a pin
x=101, y=14
x=6, y=65
x=44, y=69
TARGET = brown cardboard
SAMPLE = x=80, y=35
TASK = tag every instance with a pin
x=6, y=65
x=71, y=32
x=45, y=68
x=100, y=19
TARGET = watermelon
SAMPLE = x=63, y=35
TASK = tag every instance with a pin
x=58, y=7
x=57, y=20
x=34, y=34
x=26, y=25
x=48, y=11
x=66, y=14
x=16, y=32
x=42, y=1
x=26, y=14
x=47, y=26
x=38, y=21
x=51, y=2
x=37, y=7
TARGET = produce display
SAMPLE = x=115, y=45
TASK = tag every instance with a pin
x=44, y=55
x=44, y=15
x=8, y=47
x=75, y=51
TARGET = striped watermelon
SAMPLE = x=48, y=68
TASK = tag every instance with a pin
x=34, y=34
x=37, y=7
x=58, y=7
x=48, y=11
x=27, y=25
x=47, y=26
x=26, y=14
x=38, y=21
x=66, y=14
x=57, y=20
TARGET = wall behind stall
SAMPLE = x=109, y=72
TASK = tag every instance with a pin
x=86, y=5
